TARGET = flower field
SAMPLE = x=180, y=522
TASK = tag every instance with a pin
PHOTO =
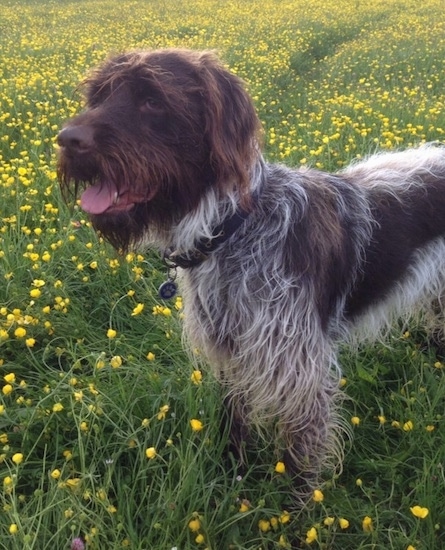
x=110, y=436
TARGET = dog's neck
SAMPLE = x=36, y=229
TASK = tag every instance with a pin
x=211, y=224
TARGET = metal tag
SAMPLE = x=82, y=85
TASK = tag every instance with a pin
x=168, y=290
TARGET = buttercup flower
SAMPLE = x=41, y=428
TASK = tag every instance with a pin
x=264, y=525
x=419, y=511
x=116, y=361
x=163, y=412
x=9, y=378
x=196, y=425
x=194, y=525
x=196, y=377
x=367, y=524
x=311, y=535
x=138, y=310
x=150, y=453
x=7, y=389
x=17, y=458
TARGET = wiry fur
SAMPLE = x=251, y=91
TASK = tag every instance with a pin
x=321, y=258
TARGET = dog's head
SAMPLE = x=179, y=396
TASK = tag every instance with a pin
x=159, y=130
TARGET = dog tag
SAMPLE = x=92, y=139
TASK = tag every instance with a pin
x=168, y=290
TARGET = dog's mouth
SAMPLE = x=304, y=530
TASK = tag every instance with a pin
x=108, y=198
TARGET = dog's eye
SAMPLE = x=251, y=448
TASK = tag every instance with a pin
x=150, y=105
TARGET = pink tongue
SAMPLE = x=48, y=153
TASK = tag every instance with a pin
x=98, y=198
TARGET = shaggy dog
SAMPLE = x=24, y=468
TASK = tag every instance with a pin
x=278, y=265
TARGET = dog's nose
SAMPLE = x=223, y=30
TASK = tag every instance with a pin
x=78, y=139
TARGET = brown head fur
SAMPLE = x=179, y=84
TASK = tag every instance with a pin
x=167, y=124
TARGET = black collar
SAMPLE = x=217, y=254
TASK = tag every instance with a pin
x=202, y=249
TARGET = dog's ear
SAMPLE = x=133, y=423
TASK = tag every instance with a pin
x=232, y=125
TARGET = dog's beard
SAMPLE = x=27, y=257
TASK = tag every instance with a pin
x=123, y=230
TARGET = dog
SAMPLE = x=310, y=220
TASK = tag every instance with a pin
x=278, y=266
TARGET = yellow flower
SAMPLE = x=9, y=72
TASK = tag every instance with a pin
x=7, y=481
x=199, y=539
x=285, y=517
x=355, y=420
x=10, y=378
x=264, y=525
x=328, y=521
x=344, y=523
x=35, y=293
x=111, y=333
x=367, y=524
x=196, y=425
x=13, y=528
x=20, y=332
x=30, y=342
x=150, y=453
x=151, y=356
x=73, y=483
x=57, y=407
x=194, y=525
x=419, y=511
x=408, y=426
x=244, y=507
x=116, y=361
x=78, y=395
x=311, y=535
x=68, y=455
x=7, y=389
x=162, y=412
x=55, y=474
x=17, y=458
x=138, y=309
x=280, y=467
x=196, y=377
x=318, y=496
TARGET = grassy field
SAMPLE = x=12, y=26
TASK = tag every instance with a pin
x=109, y=436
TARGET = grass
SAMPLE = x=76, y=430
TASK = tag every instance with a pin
x=108, y=432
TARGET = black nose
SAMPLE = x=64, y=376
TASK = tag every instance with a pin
x=77, y=139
